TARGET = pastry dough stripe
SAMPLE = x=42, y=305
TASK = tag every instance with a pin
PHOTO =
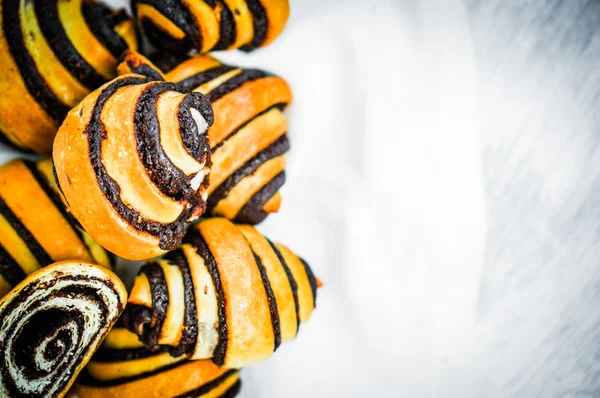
x=260, y=23
x=270, y=299
x=189, y=334
x=52, y=28
x=192, y=82
x=197, y=240
x=152, y=376
x=88, y=379
x=252, y=212
x=237, y=81
x=244, y=124
x=55, y=198
x=277, y=148
x=34, y=246
x=168, y=233
x=35, y=83
x=293, y=284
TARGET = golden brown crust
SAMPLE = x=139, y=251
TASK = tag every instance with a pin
x=154, y=375
x=248, y=138
x=53, y=53
x=131, y=161
x=202, y=26
x=35, y=228
x=244, y=295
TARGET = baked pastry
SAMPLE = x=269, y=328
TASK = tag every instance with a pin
x=52, y=54
x=122, y=367
x=210, y=25
x=248, y=138
x=51, y=324
x=131, y=160
x=228, y=293
x=35, y=228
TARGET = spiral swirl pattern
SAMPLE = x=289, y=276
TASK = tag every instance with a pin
x=131, y=160
x=50, y=325
x=31, y=239
x=228, y=293
x=122, y=367
x=248, y=139
x=52, y=54
x=210, y=25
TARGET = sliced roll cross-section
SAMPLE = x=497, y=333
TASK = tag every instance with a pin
x=248, y=139
x=123, y=367
x=131, y=161
x=228, y=293
x=52, y=323
x=35, y=227
x=210, y=25
x=53, y=53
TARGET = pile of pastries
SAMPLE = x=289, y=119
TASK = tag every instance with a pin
x=158, y=153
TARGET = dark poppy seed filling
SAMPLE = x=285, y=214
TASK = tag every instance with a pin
x=208, y=387
x=260, y=23
x=102, y=21
x=35, y=83
x=293, y=284
x=272, y=302
x=252, y=292
x=54, y=53
x=149, y=373
x=25, y=185
x=277, y=148
x=165, y=187
x=212, y=25
x=187, y=341
x=52, y=323
x=203, y=251
x=34, y=246
x=265, y=96
x=247, y=75
x=252, y=212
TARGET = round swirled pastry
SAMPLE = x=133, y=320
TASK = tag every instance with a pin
x=50, y=325
x=35, y=228
x=210, y=25
x=228, y=293
x=131, y=161
x=52, y=54
x=123, y=367
x=248, y=139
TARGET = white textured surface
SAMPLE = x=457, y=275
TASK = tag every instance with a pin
x=384, y=198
